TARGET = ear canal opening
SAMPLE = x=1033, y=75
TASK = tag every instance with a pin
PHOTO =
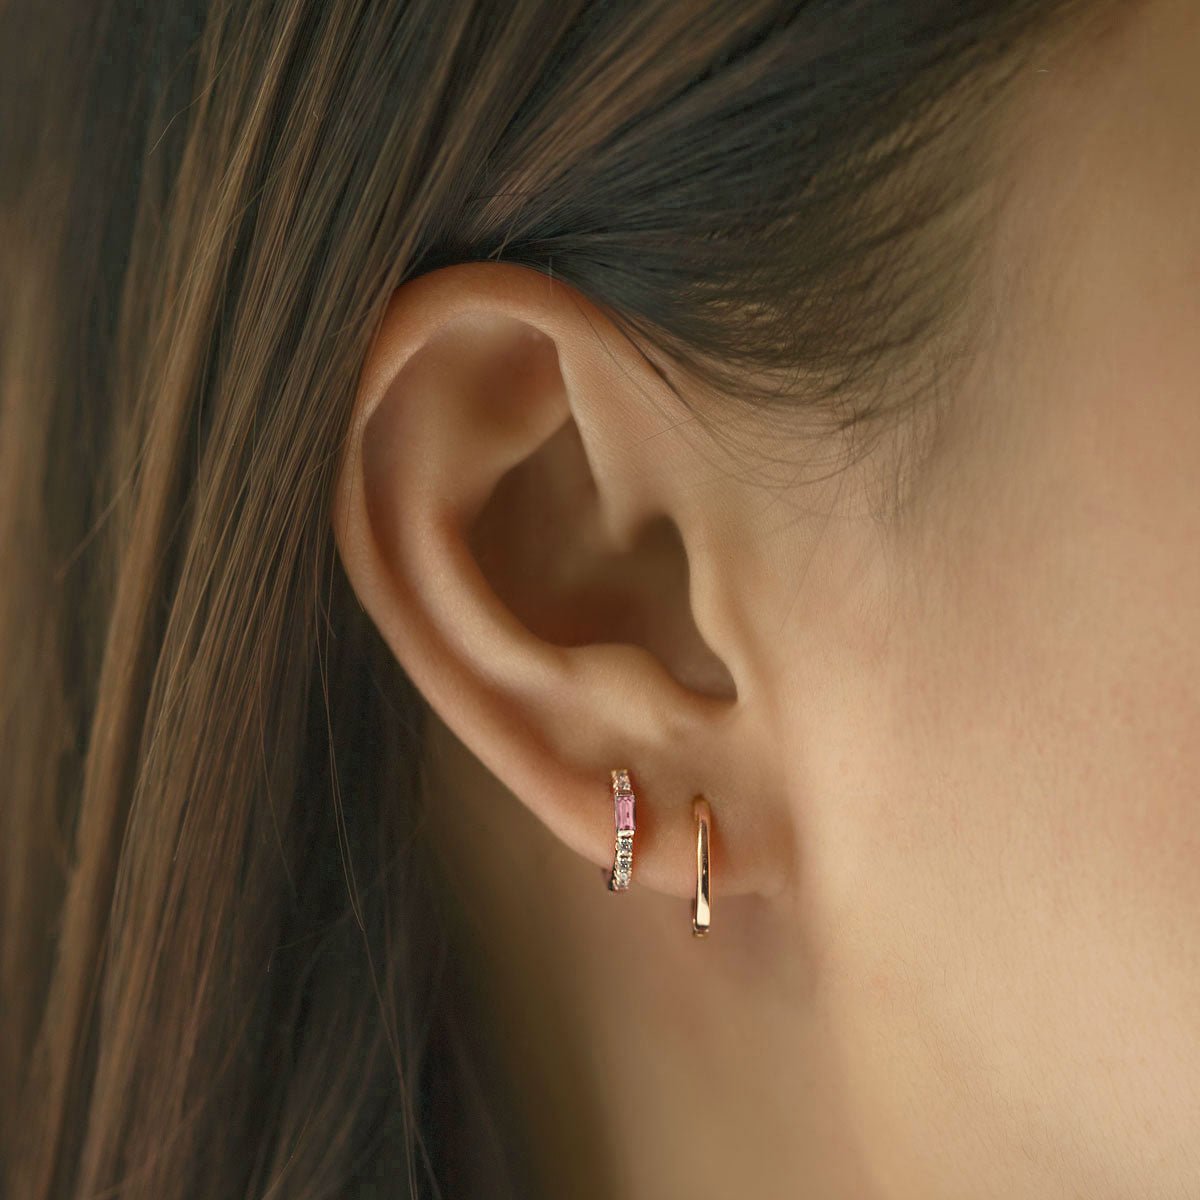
x=541, y=546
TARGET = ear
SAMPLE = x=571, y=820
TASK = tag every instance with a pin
x=516, y=509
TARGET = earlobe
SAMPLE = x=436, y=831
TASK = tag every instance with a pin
x=527, y=574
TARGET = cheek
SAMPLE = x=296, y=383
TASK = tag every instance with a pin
x=1008, y=866
x=1016, y=882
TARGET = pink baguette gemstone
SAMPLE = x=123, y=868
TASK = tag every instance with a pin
x=624, y=808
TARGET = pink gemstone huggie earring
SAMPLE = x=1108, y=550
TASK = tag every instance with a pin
x=624, y=803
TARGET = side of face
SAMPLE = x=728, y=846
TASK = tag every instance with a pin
x=952, y=750
x=1009, y=884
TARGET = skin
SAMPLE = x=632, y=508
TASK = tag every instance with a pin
x=952, y=748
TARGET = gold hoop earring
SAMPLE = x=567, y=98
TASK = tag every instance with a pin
x=702, y=903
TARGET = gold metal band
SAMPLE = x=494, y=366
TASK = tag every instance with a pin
x=702, y=904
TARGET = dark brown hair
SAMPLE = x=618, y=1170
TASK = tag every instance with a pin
x=224, y=969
